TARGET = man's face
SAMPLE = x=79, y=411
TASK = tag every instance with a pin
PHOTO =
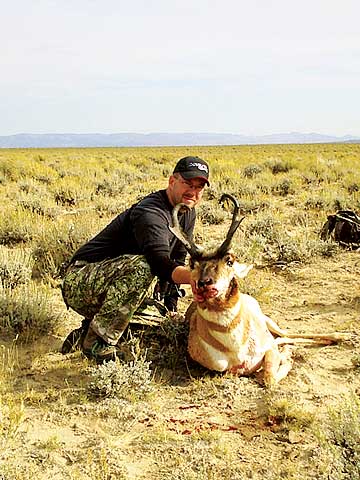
x=185, y=191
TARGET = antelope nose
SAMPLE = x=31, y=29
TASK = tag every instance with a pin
x=205, y=282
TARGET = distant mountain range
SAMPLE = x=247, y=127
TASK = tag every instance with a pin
x=53, y=140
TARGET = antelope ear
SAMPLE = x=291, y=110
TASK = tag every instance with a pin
x=241, y=269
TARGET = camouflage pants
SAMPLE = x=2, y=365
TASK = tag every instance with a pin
x=108, y=292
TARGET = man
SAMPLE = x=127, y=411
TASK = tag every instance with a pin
x=109, y=276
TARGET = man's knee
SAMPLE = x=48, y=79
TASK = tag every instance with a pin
x=77, y=291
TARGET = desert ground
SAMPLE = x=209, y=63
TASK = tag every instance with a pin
x=158, y=415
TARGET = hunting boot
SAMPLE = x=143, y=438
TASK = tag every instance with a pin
x=75, y=338
x=95, y=348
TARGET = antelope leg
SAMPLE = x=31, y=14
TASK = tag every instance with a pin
x=277, y=365
x=320, y=338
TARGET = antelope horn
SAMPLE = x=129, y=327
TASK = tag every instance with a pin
x=176, y=229
x=224, y=247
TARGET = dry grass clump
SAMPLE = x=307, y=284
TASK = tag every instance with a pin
x=8, y=364
x=353, y=187
x=355, y=360
x=284, y=411
x=35, y=197
x=125, y=412
x=110, y=187
x=11, y=408
x=250, y=171
x=15, y=266
x=278, y=166
x=17, y=226
x=198, y=460
x=129, y=381
x=266, y=226
x=18, y=168
x=110, y=207
x=33, y=205
x=55, y=244
x=165, y=344
x=11, y=417
x=31, y=186
x=283, y=188
x=267, y=239
x=71, y=192
x=338, y=436
x=211, y=214
x=288, y=250
x=328, y=202
x=27, y=310
x=173, y=344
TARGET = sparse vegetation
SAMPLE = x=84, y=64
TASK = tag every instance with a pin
x=27, y=310
x=15, y=266
x=283, y=411
x=128, y=381
x=157, y=415
x=338, y=437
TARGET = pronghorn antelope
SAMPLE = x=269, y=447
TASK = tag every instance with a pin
x=228, y=331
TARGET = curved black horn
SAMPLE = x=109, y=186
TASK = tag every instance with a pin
x=176, y=229
x=224, y=247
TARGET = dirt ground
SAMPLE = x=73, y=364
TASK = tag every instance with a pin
x=197, y=425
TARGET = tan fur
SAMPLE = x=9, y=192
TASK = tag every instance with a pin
x=229, y=332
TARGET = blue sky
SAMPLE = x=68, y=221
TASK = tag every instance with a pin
x=228, y=66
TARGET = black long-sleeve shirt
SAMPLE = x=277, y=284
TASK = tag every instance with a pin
x=143, y=229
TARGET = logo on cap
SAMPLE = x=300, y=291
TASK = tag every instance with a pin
x=192, y=167
x=200, y=166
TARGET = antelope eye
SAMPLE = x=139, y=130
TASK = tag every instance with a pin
x=229, y=262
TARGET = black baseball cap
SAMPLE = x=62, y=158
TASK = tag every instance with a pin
x=192, y=167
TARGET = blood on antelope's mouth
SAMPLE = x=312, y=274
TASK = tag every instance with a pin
x=207, y=292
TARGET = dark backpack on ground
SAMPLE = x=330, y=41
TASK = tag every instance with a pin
x=344, y=228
